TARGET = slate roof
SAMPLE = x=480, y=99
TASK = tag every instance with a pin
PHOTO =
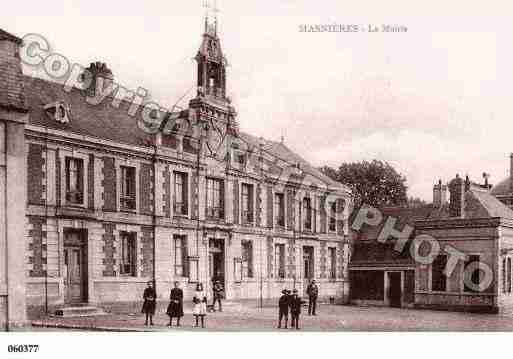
x=101, y=121
x=4, y=35
x=284, y=153
x=107, y=122
x=503, y=188
x=11, y=77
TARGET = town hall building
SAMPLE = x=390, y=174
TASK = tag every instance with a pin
x=109, y=205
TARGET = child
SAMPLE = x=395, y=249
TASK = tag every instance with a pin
x=283, y=305
x=200, y=305
x=295, y=309
x=175, y=307
x=148, y=307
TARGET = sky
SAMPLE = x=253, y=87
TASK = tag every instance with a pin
x=433, y=101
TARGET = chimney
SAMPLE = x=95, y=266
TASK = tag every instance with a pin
x=439, y=194
x=457, y=196
x=97, y=76
x=12, y=96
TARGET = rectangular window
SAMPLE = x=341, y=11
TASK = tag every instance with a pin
x=279, y=256
x=180, y=247
x=181, y=205
x=279, y=209
x=215, y=198
x=438, y=278
x=247, y=203
x=74, y=180
x=333, y=262
x=127, y=195
x=474, y=276
x=333, y=217
x=247, y=259
x=128, y=262
x=307, y=214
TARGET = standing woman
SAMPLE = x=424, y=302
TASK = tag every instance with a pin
x=200, y=305
x=175, y=307
x=150, y=300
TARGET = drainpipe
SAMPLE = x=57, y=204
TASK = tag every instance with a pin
x=154, y=219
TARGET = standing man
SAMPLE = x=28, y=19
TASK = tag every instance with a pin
x=150, y=298
x=313, y=291
x=283, y=305
x=218, y=295
x=295, y=309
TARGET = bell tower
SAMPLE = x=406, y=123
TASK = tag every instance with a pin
x=211, y=109
x=211, y=61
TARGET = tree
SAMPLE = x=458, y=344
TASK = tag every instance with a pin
x=374, y=183
x=415, y=202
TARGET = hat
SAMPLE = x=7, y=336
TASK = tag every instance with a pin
x=294, y=291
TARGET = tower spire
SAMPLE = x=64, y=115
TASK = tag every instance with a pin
x=210, y=28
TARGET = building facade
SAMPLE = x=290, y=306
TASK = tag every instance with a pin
x=113, y=201
x=456, y=253
x=13, y=117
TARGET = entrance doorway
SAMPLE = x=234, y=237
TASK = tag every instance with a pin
x=394, y=289
x=75, y=267
x=308, y=266
x=216, y=261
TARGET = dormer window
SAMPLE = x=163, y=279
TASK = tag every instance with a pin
x=59, y=111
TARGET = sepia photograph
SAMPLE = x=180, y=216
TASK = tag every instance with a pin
x=177, y=170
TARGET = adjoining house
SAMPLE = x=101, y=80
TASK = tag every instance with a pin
x=474, y=232
x=107, y=207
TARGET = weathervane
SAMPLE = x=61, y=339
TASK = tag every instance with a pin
x=210, y=28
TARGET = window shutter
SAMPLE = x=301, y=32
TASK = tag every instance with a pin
x=270, y=207
x=236, y=201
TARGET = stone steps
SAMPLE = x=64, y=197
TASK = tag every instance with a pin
x=79, y=311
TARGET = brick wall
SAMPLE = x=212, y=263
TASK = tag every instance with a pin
x=167, y=192
x=322, y=252
x=109, y=250
x=340, y=220
x=109, y=185
x=235, y=201
x=270, y=207
x=291, y=258
x=147, y=251
x=322, y=211
x=90, y=182
x=270, y=257
x=35, y=174
x=145, y=189
x=290, y=208
x=37, y=246
x=57, y=178
x=259, y=205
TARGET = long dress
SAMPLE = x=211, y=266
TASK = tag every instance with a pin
x=200, y=303
x=149, y=297
x=175, y=307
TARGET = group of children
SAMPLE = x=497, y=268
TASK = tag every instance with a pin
x=292, y=302
x=175, y=307
x=288, y=302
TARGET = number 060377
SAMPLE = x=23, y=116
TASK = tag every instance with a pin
x=23, y=348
